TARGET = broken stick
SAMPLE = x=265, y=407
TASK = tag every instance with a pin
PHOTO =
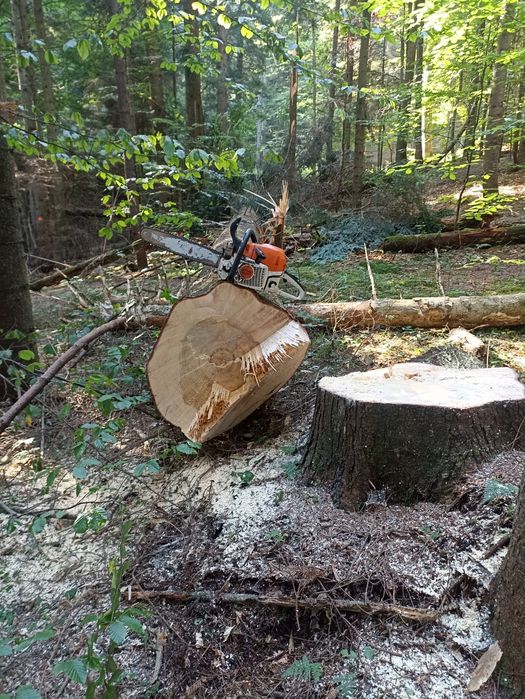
x=342, y=605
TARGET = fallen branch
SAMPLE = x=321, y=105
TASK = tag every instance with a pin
x=431, y=312
x=342, y=605
x=73, y=270
x=455, y=239
x=25, y=399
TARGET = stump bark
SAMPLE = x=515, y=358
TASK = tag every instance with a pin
x=410, y=429
x=508, y=591
x=219, y=357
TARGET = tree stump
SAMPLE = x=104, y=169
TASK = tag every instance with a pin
x=220, y=356
x=410, y=429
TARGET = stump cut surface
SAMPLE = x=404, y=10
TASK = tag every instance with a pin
x=219, y=357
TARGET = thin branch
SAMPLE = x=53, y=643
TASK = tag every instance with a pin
x=25, y=399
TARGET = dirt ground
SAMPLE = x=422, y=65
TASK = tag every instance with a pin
x=235, y=519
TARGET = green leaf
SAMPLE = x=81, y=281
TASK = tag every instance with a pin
x=224, y=21
x=151, y=466
x=117, y=632
x=246, y=32
x=133, y=624
x=73, y=668
x=50, y=57
x=80, y=472
x=186, y=448
x=5, y=649
x=26, y=691
x=368, y=652
x=38, y=524
x=83, y=49
x=45, y=634
x=26, y=355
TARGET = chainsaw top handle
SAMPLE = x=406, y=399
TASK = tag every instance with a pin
x=233, y=232
x=239, y=246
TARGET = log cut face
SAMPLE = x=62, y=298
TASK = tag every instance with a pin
x=219, y=357
x=410, y=429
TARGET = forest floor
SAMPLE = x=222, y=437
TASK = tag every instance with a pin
x=234, y=517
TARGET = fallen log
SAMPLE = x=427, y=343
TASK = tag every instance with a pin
x=73, y=270
x=427, y=312
x=315, y=603
x=454, y=239
x=220, y=356
x=410, y=430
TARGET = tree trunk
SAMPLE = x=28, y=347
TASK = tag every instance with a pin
x=347, y=102
x=314, y=75
x=454, y=239
x=290, y=166
x=48, y=94
x=219, y=357
x=194, y=108
x=25, y=73
x=3, y=87
x=360, y=114
x=222, y=84
x=409, y=430
x=496, y=107
x=508, y=591
x=404, y=105
x=15, y=301
x=330, y=110
x=156, y=85
x=418, y=102
x=519, y=157
x=382, y=128
x=507, y=310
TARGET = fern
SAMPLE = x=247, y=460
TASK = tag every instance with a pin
x=304, y=670
x=494, y=489
x=346, y=685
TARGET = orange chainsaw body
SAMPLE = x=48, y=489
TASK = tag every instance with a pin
x=274, y=257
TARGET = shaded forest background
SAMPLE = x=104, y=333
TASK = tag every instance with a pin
x=175, y=112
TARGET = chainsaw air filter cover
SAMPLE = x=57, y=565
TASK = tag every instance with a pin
x=220, y=356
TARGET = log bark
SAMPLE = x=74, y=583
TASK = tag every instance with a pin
x=427, y=312
x=410, y=430
x=219, y=357
x=454, y=239
x=73, y=270
x=508, y=590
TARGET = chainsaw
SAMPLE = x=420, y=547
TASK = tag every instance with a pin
x=244, y=261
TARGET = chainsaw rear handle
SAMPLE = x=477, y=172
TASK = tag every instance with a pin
x=239, y=250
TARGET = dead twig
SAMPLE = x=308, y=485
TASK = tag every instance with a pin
x=342, y=605
x=161, y=642
x=500, y=543
x=438, y=273
x=370, y=274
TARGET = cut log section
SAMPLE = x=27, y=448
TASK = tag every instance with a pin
x=410, y=430
x=506, y=310
x=219, y=357
x=455, y=239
